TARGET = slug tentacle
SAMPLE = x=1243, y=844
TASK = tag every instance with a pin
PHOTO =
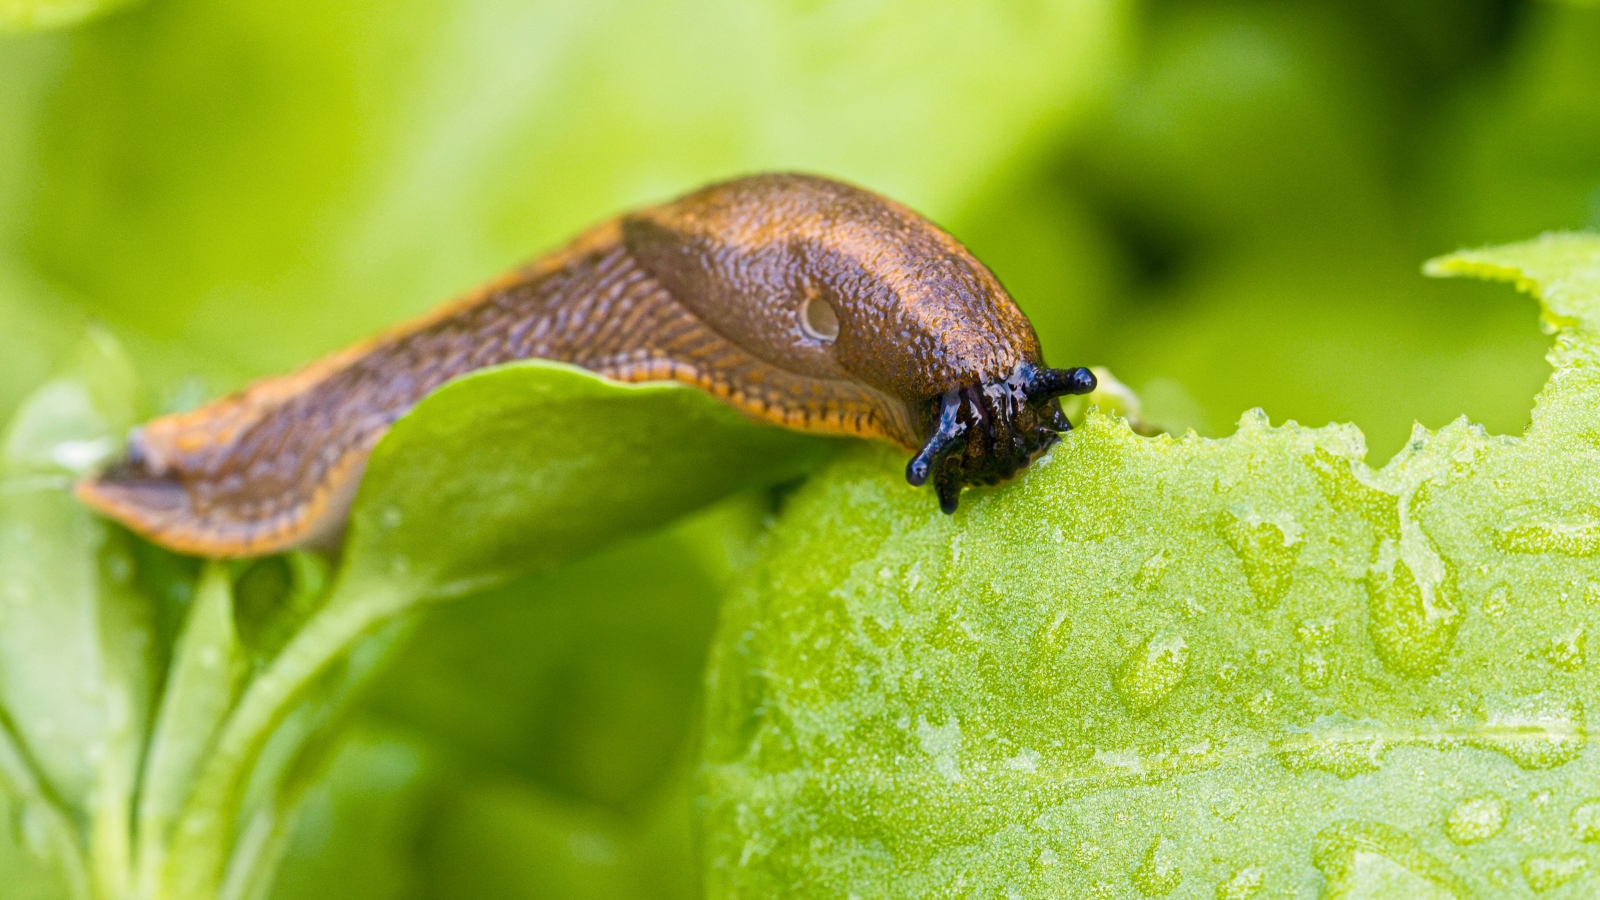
x=985, y=433
x=798, y=300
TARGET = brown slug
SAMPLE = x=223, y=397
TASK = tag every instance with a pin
x=795, y=299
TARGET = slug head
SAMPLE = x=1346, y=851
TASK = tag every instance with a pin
x=859, y=294
x=985, y=433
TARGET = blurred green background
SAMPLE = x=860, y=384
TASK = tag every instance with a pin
x=1227, y=203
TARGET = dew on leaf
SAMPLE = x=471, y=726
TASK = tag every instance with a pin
x=1538, y=732
x=943, y=744
x=1545, y=873
x=1337, y=480
x=1369, y=860
x=1344, y=753
x=1158, y=874
x=1316, y=632
x=118, y=567
x=1475, y=819
x=1413, y=608
x=1263, y=703
x=1026, y=760
x=1586, y=821
x=1044, y=666
x=1497, y=601
x=1566, y=651
x=1151, y=571
x=1314, y=671
x=1245, y=884
x=391, y=517
x=1266, y=553
x=1153, y=672
x=1574, y=536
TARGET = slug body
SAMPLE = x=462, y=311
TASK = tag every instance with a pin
x=797, y=300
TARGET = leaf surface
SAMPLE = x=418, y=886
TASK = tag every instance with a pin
x=1185, y=666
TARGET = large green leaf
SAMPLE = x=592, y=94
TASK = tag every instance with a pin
x=505, y=472
x=1175, y=665
x=75, y=634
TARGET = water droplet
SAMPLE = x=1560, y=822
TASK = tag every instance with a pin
x=1345, y=491
x=1577, y=535
x=1367, y=859
x=1497, y=601
x=1044, y=665
x=1150, y=573
x=943, y=744
x=390, y=517
x=1476, y=819
x=119, y=567
x=1158, y=874
x=1262, y=703
x=1413, y=608
x=1566, y=651
x=1153, y=672
x=1244, y=884
x=1586, y=821
x=1314, y=671
x=1266, y=552
x=1342, y=752
x=1088, y=852
x=1317, y=632
x=1026, y=760
x=1546, y=872
x=1538, y=732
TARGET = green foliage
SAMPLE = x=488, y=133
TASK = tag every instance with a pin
x=26, y=15
x=1247, y=667
x=1177, y=662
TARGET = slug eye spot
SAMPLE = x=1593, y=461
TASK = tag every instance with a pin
x=818, y=320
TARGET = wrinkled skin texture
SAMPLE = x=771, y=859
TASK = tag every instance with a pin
x=797, y=300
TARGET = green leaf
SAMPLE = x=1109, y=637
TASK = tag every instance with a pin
x=75, y=636
x=505, y=472
x=1188, y=666
x=207, y=671
x=1562, y=270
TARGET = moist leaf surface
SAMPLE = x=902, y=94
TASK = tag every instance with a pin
x=1184, y=666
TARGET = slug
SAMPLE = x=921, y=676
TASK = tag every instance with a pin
x=795, y=299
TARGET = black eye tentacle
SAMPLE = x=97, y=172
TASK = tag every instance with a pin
x=948, y=437
x=987, y=431
x=1046, y=384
